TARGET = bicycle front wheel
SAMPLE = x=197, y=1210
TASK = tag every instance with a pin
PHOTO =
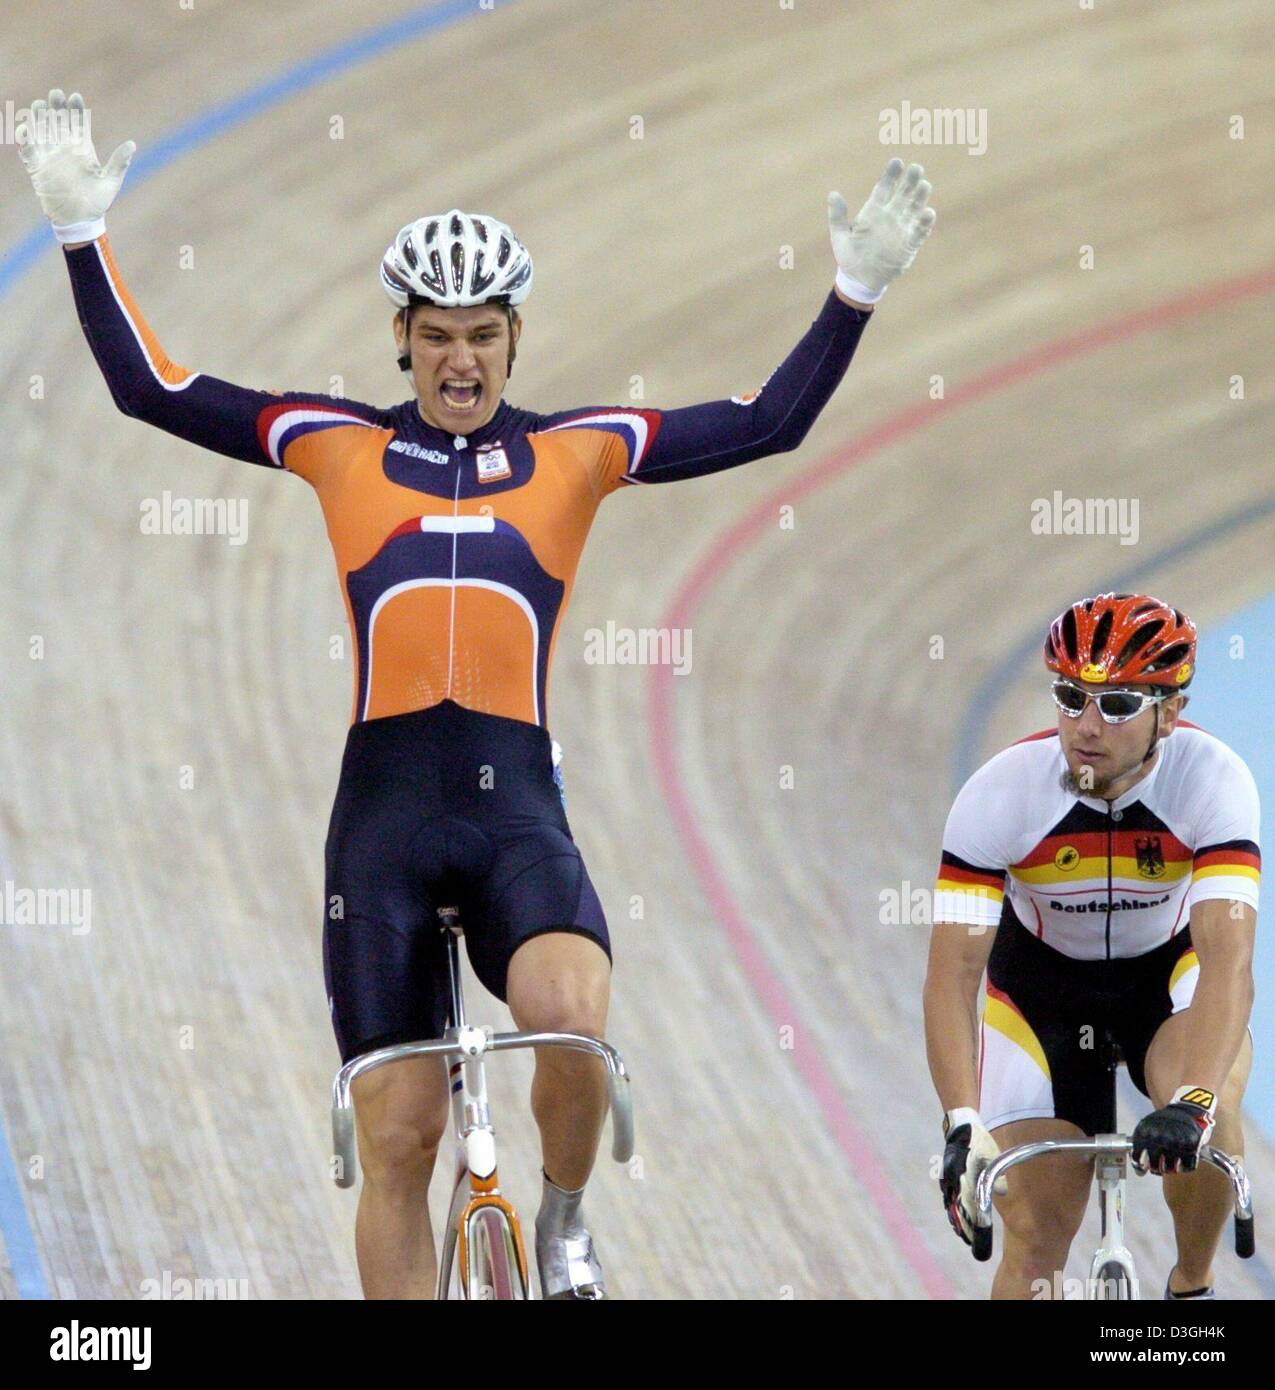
x=493, y=1269
x=1113, y=1283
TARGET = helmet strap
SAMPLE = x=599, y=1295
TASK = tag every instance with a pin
x=405, y=358
x=1155, y=738
x=513, y=348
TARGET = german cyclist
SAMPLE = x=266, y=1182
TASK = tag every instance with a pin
x=1105, y=874
x=457, y=521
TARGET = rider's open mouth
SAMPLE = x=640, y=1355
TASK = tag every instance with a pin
x=461, y=394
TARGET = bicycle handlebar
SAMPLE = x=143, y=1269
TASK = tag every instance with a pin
x=1118, y=1144
x=343, y=1146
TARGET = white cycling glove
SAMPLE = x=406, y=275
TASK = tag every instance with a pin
x=882, y=241
x=969, y=1149
x=74, y=189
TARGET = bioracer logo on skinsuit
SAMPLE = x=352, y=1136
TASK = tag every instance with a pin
x=417, y=451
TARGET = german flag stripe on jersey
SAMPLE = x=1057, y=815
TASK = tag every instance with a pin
x=966, y=893
x=1238, y=854
x=1077, y=871
x=957, y=876
x=1220, y=869
x=1091, y=844
x=1138, y=856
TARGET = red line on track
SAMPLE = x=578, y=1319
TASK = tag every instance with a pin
x=727, y=548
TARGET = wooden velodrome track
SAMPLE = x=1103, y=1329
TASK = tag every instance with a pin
x=163, y=1077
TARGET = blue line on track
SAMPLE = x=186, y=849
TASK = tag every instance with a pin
x=18, y=258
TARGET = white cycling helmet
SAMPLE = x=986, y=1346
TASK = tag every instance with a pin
x=455, y=260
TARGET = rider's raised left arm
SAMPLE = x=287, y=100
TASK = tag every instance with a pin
x=870, y=251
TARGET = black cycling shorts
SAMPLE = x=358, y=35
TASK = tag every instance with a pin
x=1041, y=1053
x=442, y=807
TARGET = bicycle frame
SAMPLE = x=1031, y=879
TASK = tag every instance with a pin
x=482, y=1243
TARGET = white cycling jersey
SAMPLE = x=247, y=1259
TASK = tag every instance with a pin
x=1099, y=880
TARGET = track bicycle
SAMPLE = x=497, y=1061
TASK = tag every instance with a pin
x=483, y=1252
x=1112, y=1274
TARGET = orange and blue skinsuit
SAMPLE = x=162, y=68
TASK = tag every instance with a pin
x=456, y=558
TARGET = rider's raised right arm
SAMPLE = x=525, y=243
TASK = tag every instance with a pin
x=255, y=426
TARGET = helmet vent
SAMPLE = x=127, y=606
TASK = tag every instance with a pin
x=1171, y=656
x=1099, y=644
x=1140, y=640
x=1069, y=633
x=435, y=277
x=478, y=282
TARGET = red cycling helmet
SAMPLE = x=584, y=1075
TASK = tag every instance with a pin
x=1123, y=639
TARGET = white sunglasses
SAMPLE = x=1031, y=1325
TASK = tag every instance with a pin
x=1115, y=706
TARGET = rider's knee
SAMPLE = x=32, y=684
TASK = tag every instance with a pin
x=400, y=1151
x=1042, y=1232
x=564, y=1005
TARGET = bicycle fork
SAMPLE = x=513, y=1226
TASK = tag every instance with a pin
x=484, y=1235
x=1111, y=1272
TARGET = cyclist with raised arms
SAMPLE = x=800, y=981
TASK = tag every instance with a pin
x=457, y=522
x=1105, y=873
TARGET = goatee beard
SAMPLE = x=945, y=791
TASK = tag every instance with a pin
x=1071, y=784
